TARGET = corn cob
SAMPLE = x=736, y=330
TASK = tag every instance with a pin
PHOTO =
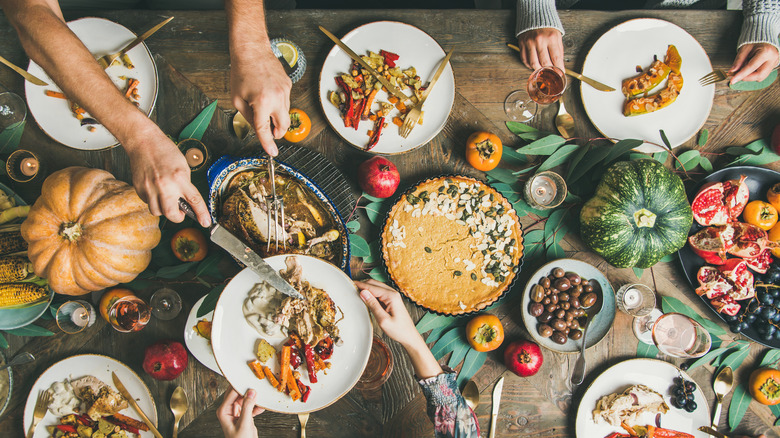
x=11, y=242
x=15, y=295
x=14, y=269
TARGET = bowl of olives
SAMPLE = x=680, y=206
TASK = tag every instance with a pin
x=556, y=301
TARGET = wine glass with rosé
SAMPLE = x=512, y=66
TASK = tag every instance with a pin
x=681, y=336
x=129, y=314
x=545, y=86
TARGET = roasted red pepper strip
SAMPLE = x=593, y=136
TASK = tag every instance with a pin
x=658, y=432
x=122, y=425
x=617, y=435
x=309, y=353
x=390, y=58
x=84, y=420
x=380, y=123
x=349, y=116
x=66, y=428
x=305, y=391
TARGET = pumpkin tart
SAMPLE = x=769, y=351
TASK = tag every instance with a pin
x=452, y=245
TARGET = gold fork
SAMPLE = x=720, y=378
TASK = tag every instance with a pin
x=303, y=418
x=41, y=405
x=714, y=76
x=106, y=60
x=411, y=119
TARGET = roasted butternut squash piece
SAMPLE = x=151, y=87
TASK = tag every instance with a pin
x=658, y=71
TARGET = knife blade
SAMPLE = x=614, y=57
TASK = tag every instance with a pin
x=390, y=87
x=241, y=251
x=496, y=404
x=25, y=74
x=712, y=432
x=592, y=82
x=109, y=59
x=126, y=394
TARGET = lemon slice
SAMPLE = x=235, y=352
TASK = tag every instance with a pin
x=289, y=52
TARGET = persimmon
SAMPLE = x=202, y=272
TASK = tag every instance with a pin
x=483, y=150
x=760, y=214
x=774, y=235
x=189, y=245
x=773, y=196
x=300, y=126
x=485, y=332
x=109, y=297
x=764, y=386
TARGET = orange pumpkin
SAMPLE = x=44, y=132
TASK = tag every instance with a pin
x=88, y=231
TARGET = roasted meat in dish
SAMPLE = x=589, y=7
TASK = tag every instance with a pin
x=101, y=398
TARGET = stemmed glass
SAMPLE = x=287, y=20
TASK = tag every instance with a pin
x=545, y=86
x=129, y=314
x=680, y=336
x=13, y=111
x=165, y=303
x=638, y=300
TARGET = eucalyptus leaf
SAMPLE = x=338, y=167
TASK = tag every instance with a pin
x=637, y=156
x=555, y=252
x=471, y=364
x=765, y=158
x=353, y=226
x=522, y=207
x=704, y=134
x=739, y=405
x=518, y=128
x=544, y=146
x=210, y=302
x=646, y=350
x=458, y=353
x=664, y=139
x=531, y=136
x=775, y=412
x=710, y=326
x=526, y=170
x=373, y=255
x=175, y=271
x=705, y=164
x=576, y=158
x=554, y=222
x=511, y=157
x=638, y=272
x=447, y=343
x=622, y=147
x=3, y=342
x=10, y=137
x=372, y=198
x=373, y=211
x=593, y=158
x=688, y=160
x=572, y=198
x=208, y=264
x=503, y=175
x=533, y=236
x=198, y=126
x=707, y=358
x=430, y=321
x=358, y=246
x=558, y=157
x=435, y=334
x=667, y=258
x=139, y=284
x=735, y=359
x=508, y=191
x=758, y=145
x=378, y=274
x=736, y=150
x=661, y=157
x=533, y=250
x=770, y=358
x=30, y=330
x=752, y=85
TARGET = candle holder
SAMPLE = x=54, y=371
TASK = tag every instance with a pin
x=22, y=166
x=545, y=190
x=74, y=316
x=195, y=152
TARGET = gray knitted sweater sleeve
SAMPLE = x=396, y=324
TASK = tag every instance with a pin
x=536, y=14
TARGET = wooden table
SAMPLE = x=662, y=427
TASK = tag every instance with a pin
x=485, y=72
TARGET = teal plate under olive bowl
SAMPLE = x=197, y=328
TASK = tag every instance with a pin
x=601, y=323
x=15, y=318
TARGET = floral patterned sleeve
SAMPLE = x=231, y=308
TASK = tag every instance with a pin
x=451, y=417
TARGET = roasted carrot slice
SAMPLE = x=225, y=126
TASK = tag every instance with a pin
x=292, y=385
x=131, y=86
x=271, y=378
x=57, y=94
x=285, y=365
x=392, y=99
x=257, y=368
x=398, y=121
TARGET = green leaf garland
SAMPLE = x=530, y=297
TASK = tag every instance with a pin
x=704, y=135
x=373, y=211
x=646, y=350
x=210, y=302
x=198, y=126
x=358, y=246
x=544, y=146
x=770, y=358
x=170, y=272
x=10, y=137
x=30, y=330
x=558, y=157
x=638, y=272
x=739, y=405
x=471, y=364
x=447, y=343
x=458, y=354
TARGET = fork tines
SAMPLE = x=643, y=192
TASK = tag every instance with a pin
x=275, y=204
x=713, y=77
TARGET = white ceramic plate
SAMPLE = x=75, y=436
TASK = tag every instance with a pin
x=197, y=344
x=653, y=373
x=601, y=323
x=100, y=367
x=233, y=339
x=101, y=37
x=614, y=57
x=415, y=49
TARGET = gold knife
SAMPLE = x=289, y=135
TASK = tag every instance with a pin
x=106, y=60
x=497, y=390
x=27, y=75
x=712, y=432
x=592, y=82
x=131, y=400
x=390, y=87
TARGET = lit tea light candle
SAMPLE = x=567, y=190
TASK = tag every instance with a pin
x=543, y=190
x=632, y=298
x=80, y=317
x=195, y=157
x=29, y=166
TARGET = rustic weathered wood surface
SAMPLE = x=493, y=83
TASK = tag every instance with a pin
x=195, y=44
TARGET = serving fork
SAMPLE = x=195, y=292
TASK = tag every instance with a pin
x=41, y=405
x=714, y=76
x=413, y=116
x=276, y=204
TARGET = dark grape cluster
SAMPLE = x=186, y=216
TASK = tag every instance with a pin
x=762, y=313
x=682, y=394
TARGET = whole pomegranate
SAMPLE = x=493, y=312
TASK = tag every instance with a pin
x=523, y=358
x=165, y=360
x=378, y=177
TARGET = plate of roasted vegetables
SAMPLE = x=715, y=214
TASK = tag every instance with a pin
x=84, y=402
x=134, y=74
x=299, y=355
x=362, y=111
x=642, y=397
x=655, y=66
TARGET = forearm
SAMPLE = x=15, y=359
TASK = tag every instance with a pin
x=537, y=14
x=248, y=34
x=423, y=362
x=761, y=23
x=49, y=42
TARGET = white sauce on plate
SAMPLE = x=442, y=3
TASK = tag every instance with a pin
x=63, y=400
x=260, y=307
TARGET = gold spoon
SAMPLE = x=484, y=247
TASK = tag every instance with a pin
x=722, y=385
x=471, y=395
x=179, y=405
x=564, y=121
x=303, y=418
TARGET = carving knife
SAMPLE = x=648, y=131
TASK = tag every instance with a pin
x=126, y=394
x=712, y=432
x=592, y=82
x=496, y=404
x=241, y=251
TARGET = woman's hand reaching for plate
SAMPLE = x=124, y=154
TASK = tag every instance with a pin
x=754, y=62
x=236, y=414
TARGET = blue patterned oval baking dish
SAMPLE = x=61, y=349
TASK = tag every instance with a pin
x=222, y=171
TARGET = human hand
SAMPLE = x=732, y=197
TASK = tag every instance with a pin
x=161, y=176
x=754, y=62
x=389, y=311
x=541, y=48
x=236, y=414
x=261, y=92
